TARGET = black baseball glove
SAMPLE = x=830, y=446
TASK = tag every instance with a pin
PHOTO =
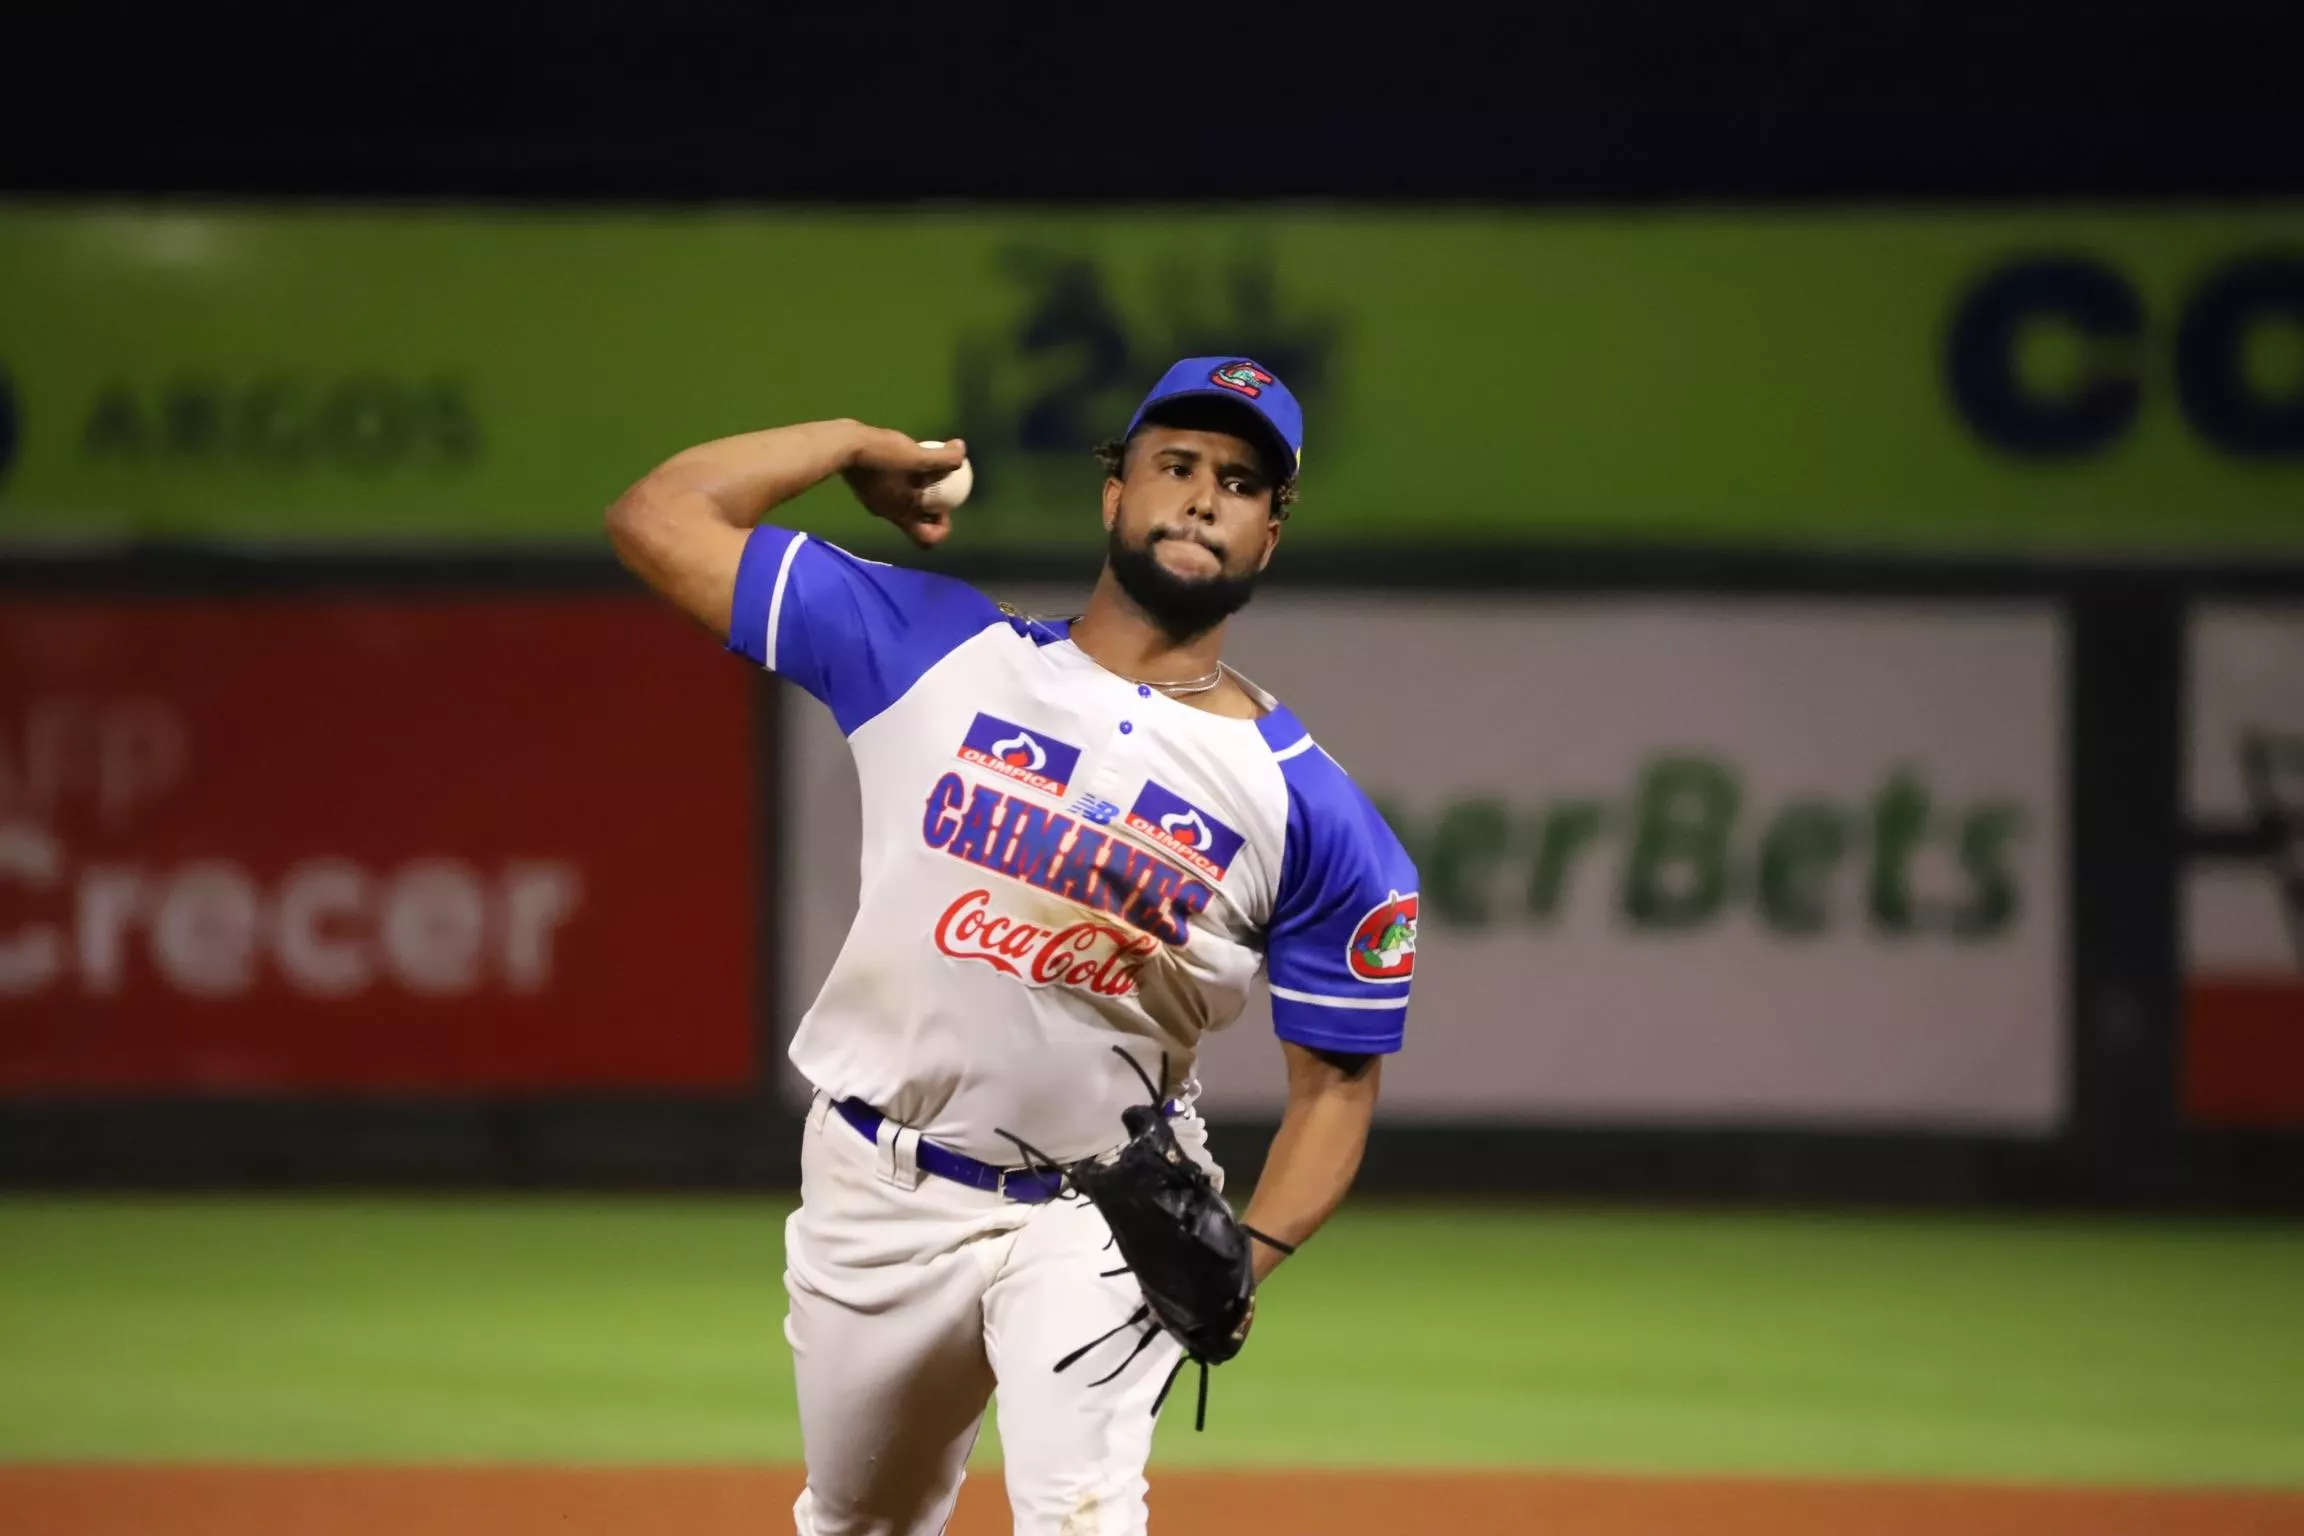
x=1177, y=1236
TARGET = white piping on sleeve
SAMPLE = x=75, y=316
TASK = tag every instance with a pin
x=776, y=598
x=1295, y=996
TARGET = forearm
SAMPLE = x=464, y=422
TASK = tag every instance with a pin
x=1316, y=1155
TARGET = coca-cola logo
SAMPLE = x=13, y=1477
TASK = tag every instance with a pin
x=1102, y=958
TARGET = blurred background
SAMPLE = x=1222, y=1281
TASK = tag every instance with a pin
x=1802, y=533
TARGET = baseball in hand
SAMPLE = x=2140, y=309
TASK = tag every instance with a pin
x=953, y=489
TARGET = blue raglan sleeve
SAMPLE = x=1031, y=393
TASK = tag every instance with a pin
x=855, y=633
x=1342, y=945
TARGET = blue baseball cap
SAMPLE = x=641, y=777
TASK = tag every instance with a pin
x=1243, y=381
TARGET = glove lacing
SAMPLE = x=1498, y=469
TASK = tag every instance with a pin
x=1142, y=1315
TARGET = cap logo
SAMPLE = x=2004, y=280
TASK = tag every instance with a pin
x=1243, y=376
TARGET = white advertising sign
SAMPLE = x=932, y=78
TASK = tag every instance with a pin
x=1683, y=861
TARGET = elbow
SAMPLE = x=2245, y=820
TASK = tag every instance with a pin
x=637, y=524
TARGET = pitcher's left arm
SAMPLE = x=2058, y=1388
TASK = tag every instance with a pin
x=1341, y=960
x=1316, y=1155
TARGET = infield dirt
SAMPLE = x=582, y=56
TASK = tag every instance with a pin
x=569, y=1501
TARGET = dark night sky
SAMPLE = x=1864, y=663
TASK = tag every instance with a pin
x=1639, y=100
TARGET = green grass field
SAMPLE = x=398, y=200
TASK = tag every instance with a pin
x=649, y=1331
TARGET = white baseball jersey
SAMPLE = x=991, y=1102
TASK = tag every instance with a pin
x=1057, y=860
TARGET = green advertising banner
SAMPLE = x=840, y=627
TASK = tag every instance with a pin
x=2095, y=381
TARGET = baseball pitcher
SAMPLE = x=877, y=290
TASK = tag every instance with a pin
x=1083, y=840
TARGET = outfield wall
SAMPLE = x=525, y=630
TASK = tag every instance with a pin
x=1747, y=876
x=1926, y=381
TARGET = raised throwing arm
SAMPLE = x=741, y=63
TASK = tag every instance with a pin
x=682, y=527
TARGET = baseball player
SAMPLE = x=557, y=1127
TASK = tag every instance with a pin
x=1083, y=841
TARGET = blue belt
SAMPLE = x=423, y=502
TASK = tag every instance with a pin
x=1022, y=1185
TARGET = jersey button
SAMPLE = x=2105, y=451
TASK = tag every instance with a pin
x=1143, y=690
x=1126, y=727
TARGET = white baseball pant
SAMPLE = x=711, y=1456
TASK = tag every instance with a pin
x=916, y=1301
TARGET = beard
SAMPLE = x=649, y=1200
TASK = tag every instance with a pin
x=1184, y=606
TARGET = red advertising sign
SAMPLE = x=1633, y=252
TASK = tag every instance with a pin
x=284, y=846
x=2243, y=871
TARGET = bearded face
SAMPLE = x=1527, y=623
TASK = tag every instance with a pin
x=1190, y=524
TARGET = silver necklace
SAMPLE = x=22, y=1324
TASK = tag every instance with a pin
x=1185, y=689
x=1188, y=686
